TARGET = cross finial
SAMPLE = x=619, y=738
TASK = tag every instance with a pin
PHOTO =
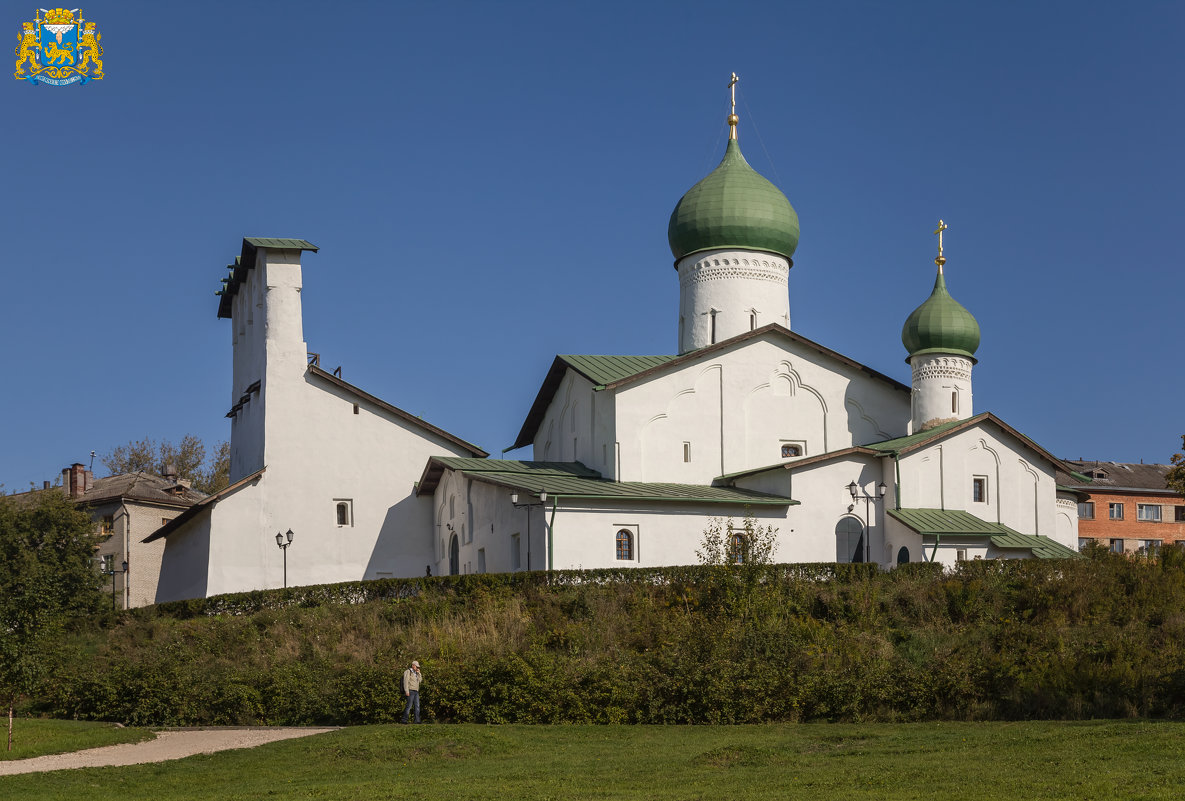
x=940, y=260
x=733, y=119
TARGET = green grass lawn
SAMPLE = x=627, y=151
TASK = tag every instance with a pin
x=1093, y=760
x=34, y=737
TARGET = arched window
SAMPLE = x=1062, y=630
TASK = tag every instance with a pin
x=849, y=540
x=752, y=321
x=625, y=545
x=738, y=548
x=343, y=513
x=454, y=556
x=903, y=556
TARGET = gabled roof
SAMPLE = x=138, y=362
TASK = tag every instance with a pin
x=140, y=487
x=903, y=445
x=394, y=410
x=611, y=372
x=246, y=261
x=1101, y=477
x=573, y=480
x=201, y=506
x=957, y=523
x=856, y=450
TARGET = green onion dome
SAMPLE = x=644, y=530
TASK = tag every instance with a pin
x=733, y=207
x=941, y=325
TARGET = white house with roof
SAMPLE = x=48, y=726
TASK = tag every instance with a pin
x=633, y=455
x=310, y=453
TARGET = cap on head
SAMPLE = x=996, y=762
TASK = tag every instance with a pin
x=414, y=663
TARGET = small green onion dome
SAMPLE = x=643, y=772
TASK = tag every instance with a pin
x=733, y=207
x=941, y=325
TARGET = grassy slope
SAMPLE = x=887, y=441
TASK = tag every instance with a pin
x=33, y=737
x=1092, y=760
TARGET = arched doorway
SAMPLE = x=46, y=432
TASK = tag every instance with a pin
x=903, y=556
x=849, y=540
x=454, y=556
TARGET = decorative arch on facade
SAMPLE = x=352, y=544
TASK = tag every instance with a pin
x=872, y=426
x=783, y=408
x=454, y=556
x=661, y=436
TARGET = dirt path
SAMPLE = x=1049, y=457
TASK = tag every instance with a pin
x=167, y=745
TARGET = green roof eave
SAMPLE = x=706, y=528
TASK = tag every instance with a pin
x=574, y=481
x=957, y=523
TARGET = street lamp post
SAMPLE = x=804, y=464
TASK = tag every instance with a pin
x=854, y=490
x=113, y=571
x=284, y=547
x=514, y=502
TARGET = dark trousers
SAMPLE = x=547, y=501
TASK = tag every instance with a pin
x=413, y=700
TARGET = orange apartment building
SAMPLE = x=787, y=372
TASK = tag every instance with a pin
x=1129, y=509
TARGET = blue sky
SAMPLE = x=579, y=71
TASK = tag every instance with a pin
x=490, y=183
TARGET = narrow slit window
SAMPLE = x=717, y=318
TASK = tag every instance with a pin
x=687, y=451
x=713, y=327
x=752, y=321
x=954, y=403
x=344, y=511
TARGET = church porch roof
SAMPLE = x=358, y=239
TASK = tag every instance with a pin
x=572, y=480
x=964, y=525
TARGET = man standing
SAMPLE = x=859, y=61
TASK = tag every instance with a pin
x=411, y=690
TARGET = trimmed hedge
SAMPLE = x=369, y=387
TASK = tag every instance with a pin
x=1099, y=637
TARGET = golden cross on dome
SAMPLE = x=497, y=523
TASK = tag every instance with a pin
x=941, y=260
x=733, y=119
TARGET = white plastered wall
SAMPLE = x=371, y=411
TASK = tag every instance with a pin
x=724, y=293
x=732, y=411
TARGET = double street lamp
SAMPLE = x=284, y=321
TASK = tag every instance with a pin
x=284, y=547
x=113, y=571
x=854, y=490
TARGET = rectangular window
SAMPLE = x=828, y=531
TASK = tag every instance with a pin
x=164, y=520
x=1180, y=517
x=979, y=489
x=343, y=510
x=960, y=555
x=481, y=560
x=1117, y=546
x=108, y=525
x=1115, y=511
x=1086, y=510
x=1149, y=512
x=1083, y=542
x=1149, y=546
x=687, y=451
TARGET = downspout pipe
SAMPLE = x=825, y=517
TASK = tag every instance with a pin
x=555, y=499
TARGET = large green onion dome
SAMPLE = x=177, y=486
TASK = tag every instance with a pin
x=733, y=207
x=941, y=325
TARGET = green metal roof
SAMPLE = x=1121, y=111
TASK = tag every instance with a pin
x=940, y=325
x=958, y=523
x=603, y=370
x=574, y=480
x=733, y=207
x=1040, y=546
x=903, y=443
x=279, y=244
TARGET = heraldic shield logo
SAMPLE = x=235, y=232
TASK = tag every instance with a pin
x=58, y=47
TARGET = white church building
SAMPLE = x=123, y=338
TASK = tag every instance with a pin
x=633, y=455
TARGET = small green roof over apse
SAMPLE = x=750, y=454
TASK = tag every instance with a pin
x=941, y=325
x=733, y=207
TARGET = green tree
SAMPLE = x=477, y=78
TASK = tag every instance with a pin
x=48, y=580
x=725, y=543
x=187, y=457
x=1175, y=479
